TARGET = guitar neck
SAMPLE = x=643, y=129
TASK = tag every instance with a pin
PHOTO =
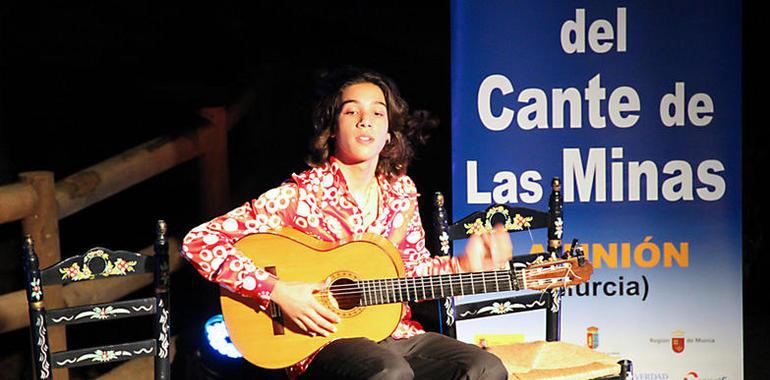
x=393, y=290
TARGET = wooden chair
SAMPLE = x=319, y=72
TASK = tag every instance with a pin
x=99, y=263
x=515, y=219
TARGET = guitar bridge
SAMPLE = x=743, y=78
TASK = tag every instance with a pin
x=275, y=311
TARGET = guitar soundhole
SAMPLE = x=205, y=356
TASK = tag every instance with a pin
x=346, y=293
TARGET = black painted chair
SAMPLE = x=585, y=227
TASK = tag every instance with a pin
x=515, y=219
x=99, y=263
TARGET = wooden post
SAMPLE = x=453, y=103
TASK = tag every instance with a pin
x=43, y=227
x=556, y=219
x=214, y=173
x=441, y=226
x=555, y=238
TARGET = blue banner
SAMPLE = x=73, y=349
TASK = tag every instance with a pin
x=637, y=108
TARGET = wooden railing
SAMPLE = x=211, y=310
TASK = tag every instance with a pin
x=39, y=203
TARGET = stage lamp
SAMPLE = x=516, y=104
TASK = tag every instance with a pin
x=219, y=339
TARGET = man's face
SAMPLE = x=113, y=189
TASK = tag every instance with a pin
x=362, y=124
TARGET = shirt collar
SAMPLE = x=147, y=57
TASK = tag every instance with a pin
x=388, y=189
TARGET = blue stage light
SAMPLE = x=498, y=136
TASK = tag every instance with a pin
x=219, y=338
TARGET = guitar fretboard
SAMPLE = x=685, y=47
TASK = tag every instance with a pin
x=393, y=290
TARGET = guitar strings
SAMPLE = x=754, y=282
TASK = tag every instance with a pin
x=420, y=281
x=389, y=290
x=566, y=279
x=461, y=279
x=410, y=285
x=355, y=288
x=381, y=295
x=389, y=294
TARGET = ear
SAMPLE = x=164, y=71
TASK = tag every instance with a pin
x=387, y=141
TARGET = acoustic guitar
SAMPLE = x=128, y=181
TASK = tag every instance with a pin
x=365, y=277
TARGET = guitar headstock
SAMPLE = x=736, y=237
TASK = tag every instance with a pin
x=555, y=273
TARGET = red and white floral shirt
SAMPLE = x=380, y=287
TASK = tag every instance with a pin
x=318, y=203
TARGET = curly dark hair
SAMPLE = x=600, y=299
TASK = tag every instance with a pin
x=405, y=129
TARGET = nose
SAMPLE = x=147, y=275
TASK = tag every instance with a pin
x=364, y=122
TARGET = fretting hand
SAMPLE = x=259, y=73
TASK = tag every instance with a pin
x=298, y=303
x=487, y=251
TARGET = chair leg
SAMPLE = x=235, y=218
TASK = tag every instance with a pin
x=37, y=326
x=553, y=316
x=447, y=316
x=40, y=348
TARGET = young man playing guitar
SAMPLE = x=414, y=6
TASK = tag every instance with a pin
x=357, y=184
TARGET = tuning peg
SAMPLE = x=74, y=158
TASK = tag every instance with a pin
x=572, y=246
x=581, y=256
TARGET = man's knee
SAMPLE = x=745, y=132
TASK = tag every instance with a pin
x=394, y=369
x=488, y=367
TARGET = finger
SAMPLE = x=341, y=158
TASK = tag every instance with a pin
x=300, y=324
x=312, y=328
x=499, y=241
x=474, y=249
x=333, y=301
x=317, y=286
x=503, y=245
x=323, y=323
x=485, y=238
x=490, y=245
x=325, y=312
x=329, y=294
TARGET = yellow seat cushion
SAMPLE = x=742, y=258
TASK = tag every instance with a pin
x=554, y=361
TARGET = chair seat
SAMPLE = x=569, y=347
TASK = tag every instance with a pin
x=554, y=360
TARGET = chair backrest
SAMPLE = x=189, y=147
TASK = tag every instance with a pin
x=99, y=263
x=515, y=219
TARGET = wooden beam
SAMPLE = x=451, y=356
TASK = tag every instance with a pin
x=120, y=172
x=17, y=201
x=147, y=160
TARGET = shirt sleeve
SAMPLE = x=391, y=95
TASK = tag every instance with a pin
x=417, y=258
x=210, y=247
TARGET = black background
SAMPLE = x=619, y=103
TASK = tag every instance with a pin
x=80, y=83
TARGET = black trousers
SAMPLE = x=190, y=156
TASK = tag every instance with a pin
x=425, y=356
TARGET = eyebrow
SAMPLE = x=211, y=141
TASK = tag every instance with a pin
x=357, y=102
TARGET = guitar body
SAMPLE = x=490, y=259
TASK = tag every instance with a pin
x=270, y=342
x=364, y=285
